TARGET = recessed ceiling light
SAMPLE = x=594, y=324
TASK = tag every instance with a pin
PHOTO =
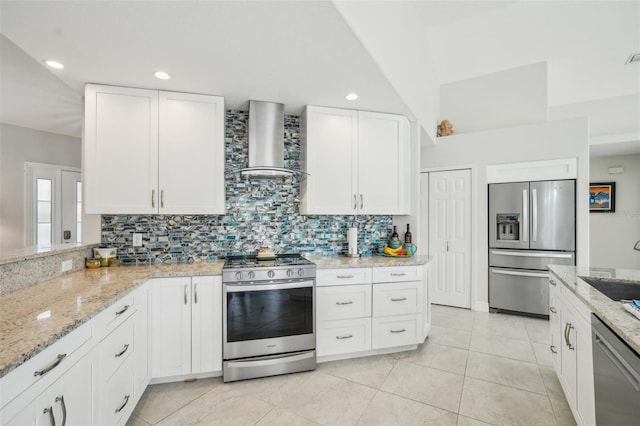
x=162, y=75
x=352, y=97
x=54, y=64
x=634, y=57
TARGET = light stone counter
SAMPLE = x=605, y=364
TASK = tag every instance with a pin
x=66, y=302
x=331, y=262
x=610, y=312
x=28, y=253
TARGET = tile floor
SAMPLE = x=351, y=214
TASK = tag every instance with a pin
x=474, y=369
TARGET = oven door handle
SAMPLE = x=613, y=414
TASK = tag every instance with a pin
x=235, y=288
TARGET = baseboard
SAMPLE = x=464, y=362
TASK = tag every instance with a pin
x=481, y=306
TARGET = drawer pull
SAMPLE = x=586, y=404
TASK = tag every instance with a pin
x=50, y=367
x=402, y=299
x=60, y=399
x=119, y=354
x=52, y=420
x=126, y=401
x=123, y=310
x=552, y=282
x=344, y=277
x=345, y=303
x=397, y=331
x=553, y=349
x=398, y=274
x=553, y=310
x=344, y=337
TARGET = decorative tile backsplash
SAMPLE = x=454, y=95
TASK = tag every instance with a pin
x=258, y=213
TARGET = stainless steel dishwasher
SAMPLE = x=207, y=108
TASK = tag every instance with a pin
x=616, y=377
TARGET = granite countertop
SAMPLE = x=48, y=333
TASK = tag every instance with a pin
x=610, y=312
x=75, y=298
x=17, y=255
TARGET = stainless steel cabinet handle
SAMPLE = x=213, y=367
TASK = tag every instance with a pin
x=524, y=225
x=447, y=245
x=185, y=294
x=552, y=282
x=123, y=310
x=398, y=300
x=153, y=198
x=162, y=199
x=534, y=214
x=345, y=303
x=397, y=331
x=355, y=201
x=60, y=399
x=571, y=347
x=552, y=309
x=50, y=367
x=344, y=276
x=119, y=354
x=344, y=337
x=195, y=293
x=52, y=419
x=566, y=328
x=361, y=202
x=553, y=349
x=126, y=401
x=398, y=274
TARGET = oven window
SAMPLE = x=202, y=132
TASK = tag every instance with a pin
x=269, y=313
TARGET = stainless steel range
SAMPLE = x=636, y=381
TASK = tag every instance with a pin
x=268, y=316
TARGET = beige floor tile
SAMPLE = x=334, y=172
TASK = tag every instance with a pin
x=136, y=421
x=509, y=348
x=280, y=417
x=370, y=371
x=431, y=354
x=427, y=385
x=505, y=371
x=468, y=421
x=159, y=401
x=387, y=409
x=551, y=382
x=221, y=406
x=272, y=389
x=445, y=316
x=504, y=405
x=562, y=411
x=538, y=330
x=507, y=327
x=542, y=353
x=329, y=400
x=450, y=336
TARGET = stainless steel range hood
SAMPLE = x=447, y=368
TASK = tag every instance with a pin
x=266, y=141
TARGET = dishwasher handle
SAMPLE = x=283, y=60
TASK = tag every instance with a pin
x=632, y=376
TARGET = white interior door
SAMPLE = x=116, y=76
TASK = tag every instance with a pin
x=449, y=220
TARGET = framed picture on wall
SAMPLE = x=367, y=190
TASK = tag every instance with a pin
x=602, y=197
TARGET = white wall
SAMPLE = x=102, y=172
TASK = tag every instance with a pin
x=545, y=141
x=612, y=235
x=17, y=145
x=509, y=98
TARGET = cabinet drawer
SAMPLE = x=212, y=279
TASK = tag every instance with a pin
x=44, y=368
x=343, y=276
x=117, y=401
x=394, y=274
x=116, y=348
x=396, y=299
x=342, y=302
x=395, y=331
x=344, y=336
x=114, y=315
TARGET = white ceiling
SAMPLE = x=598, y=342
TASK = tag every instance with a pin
x=301, y=52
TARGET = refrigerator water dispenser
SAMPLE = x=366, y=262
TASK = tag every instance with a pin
x=508, y=226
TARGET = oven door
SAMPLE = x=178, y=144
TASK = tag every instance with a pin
x=265, y=319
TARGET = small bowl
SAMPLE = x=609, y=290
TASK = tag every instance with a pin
x=92, y=263
x=115, y=262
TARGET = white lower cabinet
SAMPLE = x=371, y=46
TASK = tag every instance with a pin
x=570, y=331
x=186, y=317
x=360, y=310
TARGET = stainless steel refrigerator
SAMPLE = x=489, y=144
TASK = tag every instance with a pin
x=531, y=225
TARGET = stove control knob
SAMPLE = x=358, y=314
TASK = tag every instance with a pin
x=271, y=274
x=238, y=275
x=251, y=275
x=289, y=272
x=301, y=272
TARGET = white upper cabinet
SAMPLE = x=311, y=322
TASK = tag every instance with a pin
x=357, y=162
x=151, y=152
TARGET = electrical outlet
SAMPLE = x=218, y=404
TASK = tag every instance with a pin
x=67, y=265
x=137, y=240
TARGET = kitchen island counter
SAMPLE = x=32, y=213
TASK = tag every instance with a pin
x=609, y=311
x=332, y=262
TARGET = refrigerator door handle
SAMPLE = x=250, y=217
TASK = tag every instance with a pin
x=524, y=225
x=534, y=214
x=520, y=274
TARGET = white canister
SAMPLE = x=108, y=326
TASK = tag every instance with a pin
x=352, y=238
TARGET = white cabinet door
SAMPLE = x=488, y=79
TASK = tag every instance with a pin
x=120, y=166
x=383, y=163
x=141, y=362
x=206, y=340
x=450, y=236
x=191, y=154
x=329, y=152
x=171, y=330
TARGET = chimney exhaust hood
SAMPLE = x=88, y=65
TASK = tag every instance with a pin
x=266, y=141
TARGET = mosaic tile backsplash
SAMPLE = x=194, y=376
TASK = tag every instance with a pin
x=259, y=213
